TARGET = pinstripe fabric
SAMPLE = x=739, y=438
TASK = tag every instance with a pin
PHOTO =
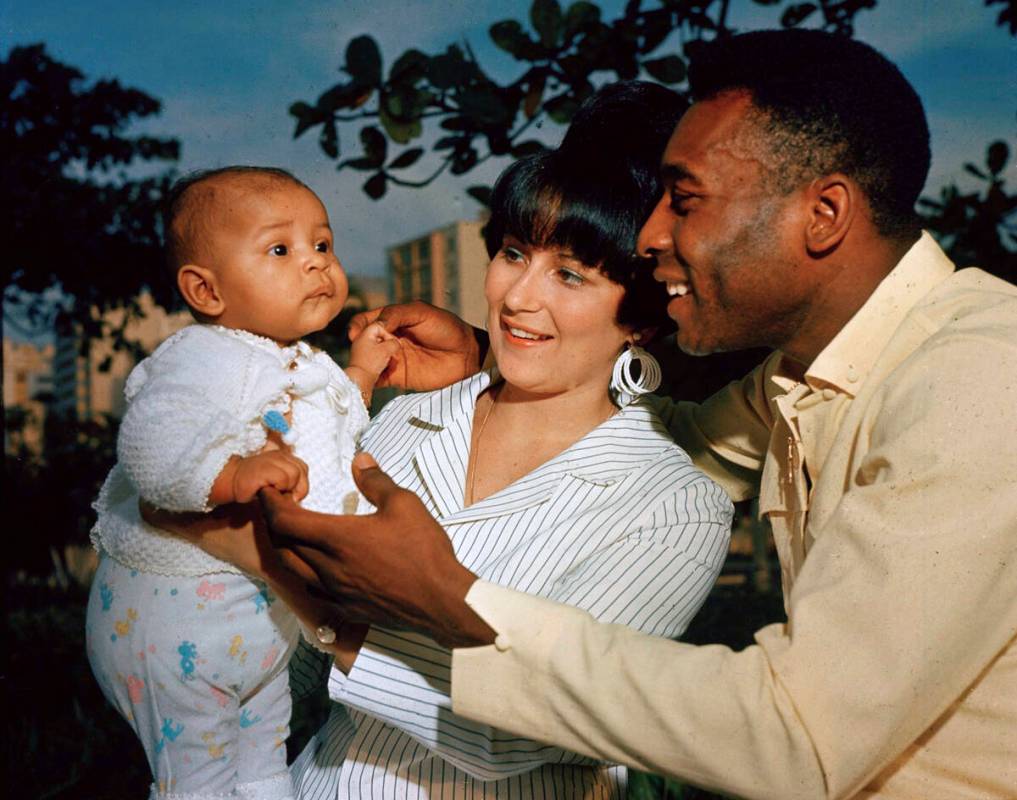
x=620, y=524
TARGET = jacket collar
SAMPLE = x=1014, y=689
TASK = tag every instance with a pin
x=848, y=359
x=616, y=447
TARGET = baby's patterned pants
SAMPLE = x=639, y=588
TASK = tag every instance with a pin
x=197, y=667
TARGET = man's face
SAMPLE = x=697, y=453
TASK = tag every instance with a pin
x=724, y=242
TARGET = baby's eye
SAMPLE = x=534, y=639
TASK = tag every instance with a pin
x=571, y=277
x=322, y=247
x=279, y=250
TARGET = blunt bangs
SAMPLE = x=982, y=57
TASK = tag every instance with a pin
x=546, y=201
x=594, y=211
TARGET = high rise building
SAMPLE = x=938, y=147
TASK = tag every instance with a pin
x=445, y=267
x=89, y=382
x=28, y=381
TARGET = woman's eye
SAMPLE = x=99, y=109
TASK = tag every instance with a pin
x=322, y=247
x=279, y=250
x=511, y=254
x=571, y=277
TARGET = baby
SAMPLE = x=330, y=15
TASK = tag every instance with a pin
x=188, y=649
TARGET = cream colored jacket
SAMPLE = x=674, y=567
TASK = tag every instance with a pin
x=890, y=477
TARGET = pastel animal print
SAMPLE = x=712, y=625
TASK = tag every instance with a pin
x=211, y=591
x=123, y=626
x=188, y=653
x=135, y=687
x=170, y=732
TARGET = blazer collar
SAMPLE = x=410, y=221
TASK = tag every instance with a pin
x=616, y=447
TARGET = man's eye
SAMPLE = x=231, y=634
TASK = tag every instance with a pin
x=680, y=202
x=322, y=247
x=571, y=277
x=279, y=250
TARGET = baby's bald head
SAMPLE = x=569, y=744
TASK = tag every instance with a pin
x=198, y=204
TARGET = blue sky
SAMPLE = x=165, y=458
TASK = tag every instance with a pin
x=226, y=72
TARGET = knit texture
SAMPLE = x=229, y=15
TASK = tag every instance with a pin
x=199, y=400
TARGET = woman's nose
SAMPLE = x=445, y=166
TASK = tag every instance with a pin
x=656, y=234
x=524, y=293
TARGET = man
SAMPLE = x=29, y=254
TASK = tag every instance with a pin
x=880, y=436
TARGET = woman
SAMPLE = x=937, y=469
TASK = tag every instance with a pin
x=549, y=474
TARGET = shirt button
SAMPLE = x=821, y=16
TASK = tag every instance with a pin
x=501, y=643
x=829, y=394
x=852, y=375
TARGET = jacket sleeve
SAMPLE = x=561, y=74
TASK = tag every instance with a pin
x=653, y=576
x=183, y=420
x=880, y=644
x=727, y=435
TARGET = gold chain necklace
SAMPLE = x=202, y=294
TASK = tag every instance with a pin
x=471, y=478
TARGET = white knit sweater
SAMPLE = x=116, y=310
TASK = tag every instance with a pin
x=200, y=399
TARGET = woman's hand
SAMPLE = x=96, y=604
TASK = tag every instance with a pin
x=436, y=347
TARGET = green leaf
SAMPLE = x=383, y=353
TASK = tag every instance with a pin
x=329, y=139
x=797, y=14
x=547, y=22
x=579, y=16
x=534, y=94
x=409, y=68
x=669, y=69
x=399, y=131
x=363, y=61
x=374, y=187
x=508, y=36
x=363, y=164
x=407, y=158
x=562, y=108
x=375, y=145
x=448, y=70
x=482, y=194
x=997, y=156
x=307, y=116
x=463, y=161
x=969, y=167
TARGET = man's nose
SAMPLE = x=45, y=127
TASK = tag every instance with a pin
x=656, y=234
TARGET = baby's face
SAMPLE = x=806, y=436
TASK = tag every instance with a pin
x=274, y=262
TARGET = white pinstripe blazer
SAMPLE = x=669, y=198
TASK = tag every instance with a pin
x=621, y=524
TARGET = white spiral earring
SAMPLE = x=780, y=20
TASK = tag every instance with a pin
x=628, y=388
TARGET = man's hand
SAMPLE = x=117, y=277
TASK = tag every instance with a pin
x=436, y=347
x=395, y=567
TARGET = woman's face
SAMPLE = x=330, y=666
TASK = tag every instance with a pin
x=552, y=319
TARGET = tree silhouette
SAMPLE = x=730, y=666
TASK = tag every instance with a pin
x=75, y=218
x=560, y=57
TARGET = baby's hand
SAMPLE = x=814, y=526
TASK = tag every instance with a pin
x=373, y=349
x=241, y=478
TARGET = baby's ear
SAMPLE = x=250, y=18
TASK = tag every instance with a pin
x=200, y=289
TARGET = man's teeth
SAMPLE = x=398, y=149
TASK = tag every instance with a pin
x=525, y=334
x=677, y=288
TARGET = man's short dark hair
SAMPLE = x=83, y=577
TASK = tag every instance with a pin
x=829, y=104
x=182, y=201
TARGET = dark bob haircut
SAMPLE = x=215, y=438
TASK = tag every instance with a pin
x=593, y=194
x=830, y=104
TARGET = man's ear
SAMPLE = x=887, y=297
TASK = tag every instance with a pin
x=833, y=203
x=200, y=289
